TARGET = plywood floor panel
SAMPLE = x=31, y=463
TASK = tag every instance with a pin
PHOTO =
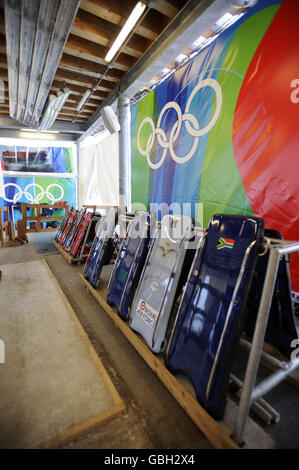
x=53, y=385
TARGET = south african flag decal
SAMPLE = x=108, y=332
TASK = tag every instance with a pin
x=225, y=244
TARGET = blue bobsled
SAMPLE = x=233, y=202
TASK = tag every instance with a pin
x=102, y=248
x=209, y=320
x=129, y=264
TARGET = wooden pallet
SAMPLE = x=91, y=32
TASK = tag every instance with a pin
x=217, y=432
x=4, y=226
x=38, y=218
x=70, y=259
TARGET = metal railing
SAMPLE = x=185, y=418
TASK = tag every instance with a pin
x=250, y=392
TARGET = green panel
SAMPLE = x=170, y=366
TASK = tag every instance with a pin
x=69, y=159
x=141, y=172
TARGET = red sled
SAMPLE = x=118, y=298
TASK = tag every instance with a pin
x=81, y=232
x=68, y=226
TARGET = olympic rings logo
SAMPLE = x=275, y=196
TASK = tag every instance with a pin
x=191, y=124
x=38, y=197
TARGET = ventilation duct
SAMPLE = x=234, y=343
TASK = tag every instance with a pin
x=36, y=32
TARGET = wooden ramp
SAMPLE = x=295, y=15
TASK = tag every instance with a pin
x=70, y=259
x=54, y=387
x=217, y=432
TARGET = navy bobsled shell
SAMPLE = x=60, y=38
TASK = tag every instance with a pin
x=102, y=248
x=129, y=264
x=281, y=328
x=208, y=324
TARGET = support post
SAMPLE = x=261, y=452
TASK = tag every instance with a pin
x=124, y=152
x=257, y=344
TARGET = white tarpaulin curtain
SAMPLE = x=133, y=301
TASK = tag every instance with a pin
x=99, y=173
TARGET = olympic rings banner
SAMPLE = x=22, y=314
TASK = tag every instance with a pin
x=38, y=190
x=223, y=130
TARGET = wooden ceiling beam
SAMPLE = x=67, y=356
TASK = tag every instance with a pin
x=72, y=112
x=152, y=25
x=82, y=79
x=76, y=77
x=72, y=106
x=3, y=60
x=2, y=19
x=117, y=12
x=3, y=73
x=75, y=100
x=113, y=11
x=166, y=8
x=94, y=28
x=77, y=89
x=124, y=62
x=94, y=102
x=100, y=31
x=90, y=66
x=91, y=104
x=67, y=117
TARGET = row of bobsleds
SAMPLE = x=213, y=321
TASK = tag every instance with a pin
x=191, y=293
x=77, y=232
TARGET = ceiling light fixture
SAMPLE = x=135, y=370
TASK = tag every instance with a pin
x=27, y=129
x=126, y=30
x=37, y=136
x=55, y=103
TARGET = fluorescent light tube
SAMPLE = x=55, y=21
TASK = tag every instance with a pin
x=35, y=130
x=127, y=28
x=41, y=136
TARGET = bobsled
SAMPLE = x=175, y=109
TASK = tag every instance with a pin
x=208, y=323
x=158, y=287
x=62, y=225
x=73, y=230
x=129, y=264
x=67, y=227
x=102, y=248
x=77, y=241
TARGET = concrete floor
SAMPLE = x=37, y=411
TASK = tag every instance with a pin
x=153, y=420
x=49, y=382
